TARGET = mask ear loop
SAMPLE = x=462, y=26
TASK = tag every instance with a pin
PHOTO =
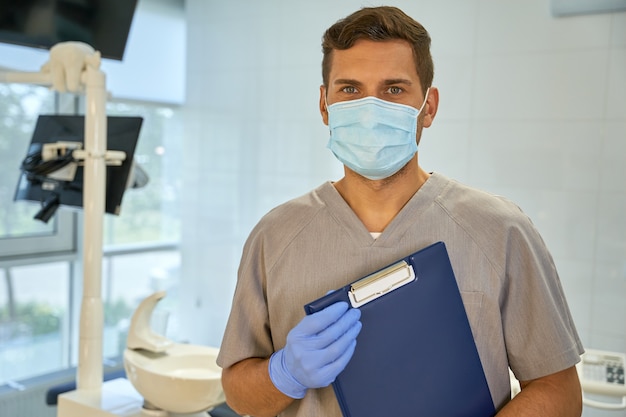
x=424, y=103
x=330, y=131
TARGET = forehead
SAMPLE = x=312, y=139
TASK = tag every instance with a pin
x=368, y=59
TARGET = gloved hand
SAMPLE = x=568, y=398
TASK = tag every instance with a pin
x=317, y=350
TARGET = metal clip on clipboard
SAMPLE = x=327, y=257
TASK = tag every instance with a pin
x=380, y=283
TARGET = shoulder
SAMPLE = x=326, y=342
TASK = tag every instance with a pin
x=496, y=224
x=473, y=206
x=276, y=229
x=295, y=213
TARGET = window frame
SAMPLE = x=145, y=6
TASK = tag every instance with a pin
x=61, y=241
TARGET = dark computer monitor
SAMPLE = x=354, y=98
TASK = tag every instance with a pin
x=39, y=179
x=103, y=24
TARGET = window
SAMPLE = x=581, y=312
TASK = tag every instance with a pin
x=128, y=277
x=141, y=244
x=150, y=214
x=40, y=263
x=19, y=234
x=40, y=271
x=34, y=321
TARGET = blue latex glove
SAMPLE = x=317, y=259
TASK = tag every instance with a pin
x=317, y=350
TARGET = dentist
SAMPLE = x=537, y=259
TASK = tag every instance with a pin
x=376, y=98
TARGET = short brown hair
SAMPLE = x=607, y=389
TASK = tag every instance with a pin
x=379, y=24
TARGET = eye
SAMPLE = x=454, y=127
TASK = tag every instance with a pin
x=395, y=90
x=349, y=90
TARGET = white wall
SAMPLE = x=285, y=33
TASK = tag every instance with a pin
x=532, y=107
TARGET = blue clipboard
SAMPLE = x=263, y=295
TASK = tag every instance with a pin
x=415, y=355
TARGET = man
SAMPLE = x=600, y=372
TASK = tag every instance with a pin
x=376, y=98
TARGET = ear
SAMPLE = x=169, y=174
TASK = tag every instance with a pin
x=323, y=109
x=430, y=109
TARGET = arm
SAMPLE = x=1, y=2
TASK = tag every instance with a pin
x=555, y=395
x=317, y=350
x=249, y=390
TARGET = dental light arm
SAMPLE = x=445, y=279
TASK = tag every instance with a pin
x=64, y=71
x=75, y=67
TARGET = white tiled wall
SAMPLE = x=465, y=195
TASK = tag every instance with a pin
x=532, y=107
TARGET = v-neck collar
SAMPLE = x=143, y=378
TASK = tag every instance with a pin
x=409, y=214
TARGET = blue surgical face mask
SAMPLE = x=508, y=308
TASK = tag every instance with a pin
x=373, y=137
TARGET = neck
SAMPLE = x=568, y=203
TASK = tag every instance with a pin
x=377, y=203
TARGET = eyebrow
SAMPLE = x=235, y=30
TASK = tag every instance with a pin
x=392, y=81
x=341, y=81
x=398, y=81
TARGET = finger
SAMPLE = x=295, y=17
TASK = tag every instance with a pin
x=342, y=343
x=328, y=373
x=332, y=340
x=316, y=322
x=337, y=329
